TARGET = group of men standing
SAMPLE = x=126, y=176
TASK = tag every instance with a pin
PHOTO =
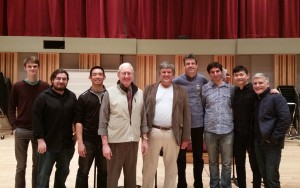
x=108, y=124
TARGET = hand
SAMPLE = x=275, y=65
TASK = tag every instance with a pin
x=274, y=91
x=42, y=147
x=106, y=151
x=144, y=147
x=81, y=150
x=184, y=144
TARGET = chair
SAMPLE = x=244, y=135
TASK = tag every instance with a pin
x=291, y=95
x=5, y=128
x=292, y=107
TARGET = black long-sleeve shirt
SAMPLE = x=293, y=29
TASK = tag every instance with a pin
x=243, y=109
x=52, y=119
x=87, y=113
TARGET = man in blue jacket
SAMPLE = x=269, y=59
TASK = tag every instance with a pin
x=271, y=121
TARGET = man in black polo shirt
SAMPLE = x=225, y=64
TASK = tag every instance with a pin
x=86, y=123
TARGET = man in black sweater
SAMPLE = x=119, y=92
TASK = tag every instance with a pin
x=243, y=107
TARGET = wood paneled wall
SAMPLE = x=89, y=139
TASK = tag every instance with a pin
x=285, y=70
x=89, y=60
x=9, y=65
x=228, y=62
x=49, y=62
x=146, y=71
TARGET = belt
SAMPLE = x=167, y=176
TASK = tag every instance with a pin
x=162, y=128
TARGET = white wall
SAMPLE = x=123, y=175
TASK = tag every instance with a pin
x=79, y=80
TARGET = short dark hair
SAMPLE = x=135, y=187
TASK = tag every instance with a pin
x=240, y=68
x=96, y=67
x=58, y=71
x=31, y=59
x=189, y=56
x=214, y=65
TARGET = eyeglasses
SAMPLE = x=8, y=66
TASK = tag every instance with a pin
x=61, y=78
x=126, y=73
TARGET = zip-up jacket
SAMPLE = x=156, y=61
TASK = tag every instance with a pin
x=52, y=119
x=115, y=120
x=87, y=113
x=274, y=117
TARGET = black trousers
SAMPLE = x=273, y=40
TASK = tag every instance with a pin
x=244, y=143
x=197, y=148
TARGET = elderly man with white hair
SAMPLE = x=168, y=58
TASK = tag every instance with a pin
x=121, y=125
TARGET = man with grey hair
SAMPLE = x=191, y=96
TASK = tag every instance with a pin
x=271, y=121
x=121, y=125
x=169, y=121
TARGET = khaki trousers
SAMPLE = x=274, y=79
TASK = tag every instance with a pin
x=124, y=155
x=161, y=139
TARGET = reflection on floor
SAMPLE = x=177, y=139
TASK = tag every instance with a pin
x=289, y=169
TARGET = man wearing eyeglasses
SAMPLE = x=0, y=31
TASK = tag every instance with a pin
x=52, y=119
x=122, y=122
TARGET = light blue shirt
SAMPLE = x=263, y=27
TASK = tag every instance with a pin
x=217, y=102
x=193, y=87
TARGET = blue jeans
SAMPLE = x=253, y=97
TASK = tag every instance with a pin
x=93, y=151
x=46, y=162
x=22, y=139
x=268, y=159
x=219, y=144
